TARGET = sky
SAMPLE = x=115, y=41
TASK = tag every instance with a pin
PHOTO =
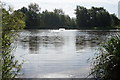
x=68, y=6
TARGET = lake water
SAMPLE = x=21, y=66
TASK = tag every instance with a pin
x=57, y=54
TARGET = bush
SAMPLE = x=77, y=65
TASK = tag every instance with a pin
x=107, y=63
x=11, y=24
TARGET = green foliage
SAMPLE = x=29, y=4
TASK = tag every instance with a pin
x=11, y=24
x=46, y=20
x=107, y=62
x=115, y=20
x=33, y=7
x=95, y=17
x=82, y=17
x=55, y=20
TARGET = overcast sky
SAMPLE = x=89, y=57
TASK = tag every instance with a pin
x=68, y=6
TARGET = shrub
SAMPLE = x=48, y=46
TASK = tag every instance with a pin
x=11, y=24
x=107, y=63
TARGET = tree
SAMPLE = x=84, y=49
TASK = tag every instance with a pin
x=82, y=17
x=58, y=11
x=115, y=21
x=11, y=24
x=33, y=7
x=23, y=9
x=95, y=17
x=32, y=15
x=103, y=18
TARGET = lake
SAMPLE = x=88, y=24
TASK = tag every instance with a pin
x=58, y=53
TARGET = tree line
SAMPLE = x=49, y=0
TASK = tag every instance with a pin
x=46, y=20
x=94, y=18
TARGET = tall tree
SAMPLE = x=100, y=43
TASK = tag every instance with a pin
x=82, y=17
x=115, y=21
x=34, y=7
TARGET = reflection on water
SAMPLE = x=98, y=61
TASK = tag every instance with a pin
x=57, y=54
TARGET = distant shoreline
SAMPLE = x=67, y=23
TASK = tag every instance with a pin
x=81, y=29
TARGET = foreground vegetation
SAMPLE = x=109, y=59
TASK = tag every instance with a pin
x=12, y=22
x=107, y=61
x=94, y=18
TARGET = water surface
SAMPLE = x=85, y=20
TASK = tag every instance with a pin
x=57, y=54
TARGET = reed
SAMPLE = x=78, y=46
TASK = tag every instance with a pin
x=106, y=65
